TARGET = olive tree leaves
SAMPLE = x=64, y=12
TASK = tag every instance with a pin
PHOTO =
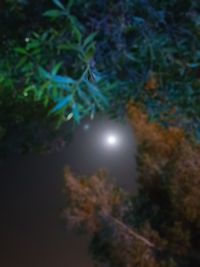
x=74, y=98
x=73, y=90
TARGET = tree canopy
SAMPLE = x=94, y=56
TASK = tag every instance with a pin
x=70, y=59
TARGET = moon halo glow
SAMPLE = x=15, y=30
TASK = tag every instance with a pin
x=104, y=143
x=111, y=140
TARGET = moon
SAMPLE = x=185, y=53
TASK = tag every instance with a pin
x=104, y=143
x=111, y=140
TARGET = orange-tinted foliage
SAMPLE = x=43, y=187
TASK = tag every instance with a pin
x=100, y=208
x=152, y=81
x=157, y=145
x=165, y=153
x=161, y=147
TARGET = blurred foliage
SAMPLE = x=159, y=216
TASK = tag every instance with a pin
x=63, y=60
x=78, y=57
x=160, y=225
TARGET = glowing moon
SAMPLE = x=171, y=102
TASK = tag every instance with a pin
x=111, y=140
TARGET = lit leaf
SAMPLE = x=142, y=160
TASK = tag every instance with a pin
x=59, y=4
x=193, y=65
x=83, y=96
x=66, y=100
x=96, y=76
x=69, y=116
x=63, y=79
x=44, y=74
x=138, y=20
x=75, y=112
x=53, y=13
x=95, y=92
x=36, y=35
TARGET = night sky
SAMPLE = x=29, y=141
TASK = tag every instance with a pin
x=33, y=232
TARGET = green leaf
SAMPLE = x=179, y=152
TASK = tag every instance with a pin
x=83, y=96
x=54, y=93
x=89, y=52
x=53, y=13
x=89, y=39
x=63, y=79
x=59, y=4
x=70, y=46
x=193, y=65
x=70, y=4
x=36, y=51
x=36, y=35
x=43, y=73
x=69, y=116
x=66, y=100
x=77, y=34
x=46, y=101
x=20, y=50
x=138, y=20
x=21, y=62
x=95, y=92
x=56, y=68
x=30, y=88
x=44, y=36
x=96, y=76
x=32, y=45
x=75, y=30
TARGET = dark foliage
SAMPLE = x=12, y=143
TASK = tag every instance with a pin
x=102, y=54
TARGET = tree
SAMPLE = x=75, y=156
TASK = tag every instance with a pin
x=159, y=226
